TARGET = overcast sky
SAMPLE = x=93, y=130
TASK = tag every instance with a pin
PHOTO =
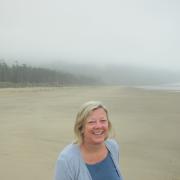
x=130, y=31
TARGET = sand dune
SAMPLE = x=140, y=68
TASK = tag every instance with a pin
x=36, y=123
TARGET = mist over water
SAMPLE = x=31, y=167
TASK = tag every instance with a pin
x=111, y=74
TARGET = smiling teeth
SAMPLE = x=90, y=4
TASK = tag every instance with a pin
x=98, y=133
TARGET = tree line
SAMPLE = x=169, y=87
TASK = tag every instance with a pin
x=24, y=75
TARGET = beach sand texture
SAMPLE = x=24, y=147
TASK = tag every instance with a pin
x=36, y=123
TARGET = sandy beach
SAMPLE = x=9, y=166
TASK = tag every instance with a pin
x=36, y=123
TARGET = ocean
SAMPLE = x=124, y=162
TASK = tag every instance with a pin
x=168, y=87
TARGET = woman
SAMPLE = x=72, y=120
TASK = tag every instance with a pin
x=93, y=156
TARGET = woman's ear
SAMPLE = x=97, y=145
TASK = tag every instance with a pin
x=81, y=129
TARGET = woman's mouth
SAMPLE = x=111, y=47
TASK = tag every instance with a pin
x=101, y=132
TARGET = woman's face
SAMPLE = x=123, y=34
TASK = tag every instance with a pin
x=96, y=127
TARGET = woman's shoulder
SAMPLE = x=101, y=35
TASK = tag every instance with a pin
x=112, y=144
x=68, y=162
x=112, y=141
x=70, y=152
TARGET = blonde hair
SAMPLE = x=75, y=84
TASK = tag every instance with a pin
x=83, y=114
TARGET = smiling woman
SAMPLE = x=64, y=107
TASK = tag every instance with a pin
x=93, y=156
x=96, y=127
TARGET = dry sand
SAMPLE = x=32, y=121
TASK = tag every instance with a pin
x=36, y=123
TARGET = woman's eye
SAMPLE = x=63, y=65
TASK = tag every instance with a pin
x=100, y=121
x=91, y=122
x=103, y=120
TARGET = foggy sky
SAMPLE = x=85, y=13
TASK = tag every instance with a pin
x=100, y=31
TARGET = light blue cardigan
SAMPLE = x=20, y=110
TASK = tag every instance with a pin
x=71, y=166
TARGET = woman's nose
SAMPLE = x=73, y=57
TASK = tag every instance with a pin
x=98, y=124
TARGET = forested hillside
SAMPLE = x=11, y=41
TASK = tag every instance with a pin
x=21, y=75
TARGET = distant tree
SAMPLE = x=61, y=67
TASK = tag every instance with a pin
x=23, y=74
x=4, y=71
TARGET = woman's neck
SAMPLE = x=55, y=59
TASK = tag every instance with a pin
x=92, y=148
x=93, y=153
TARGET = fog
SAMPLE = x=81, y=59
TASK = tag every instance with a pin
x=142, y=34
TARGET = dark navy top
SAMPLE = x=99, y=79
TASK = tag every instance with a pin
x=104, y=170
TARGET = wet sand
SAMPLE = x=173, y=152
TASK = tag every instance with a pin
x=36, y=123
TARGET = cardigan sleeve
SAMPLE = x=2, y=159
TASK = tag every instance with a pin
x=62, y=171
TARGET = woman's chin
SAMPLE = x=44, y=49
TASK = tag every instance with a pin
x=98, y=140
